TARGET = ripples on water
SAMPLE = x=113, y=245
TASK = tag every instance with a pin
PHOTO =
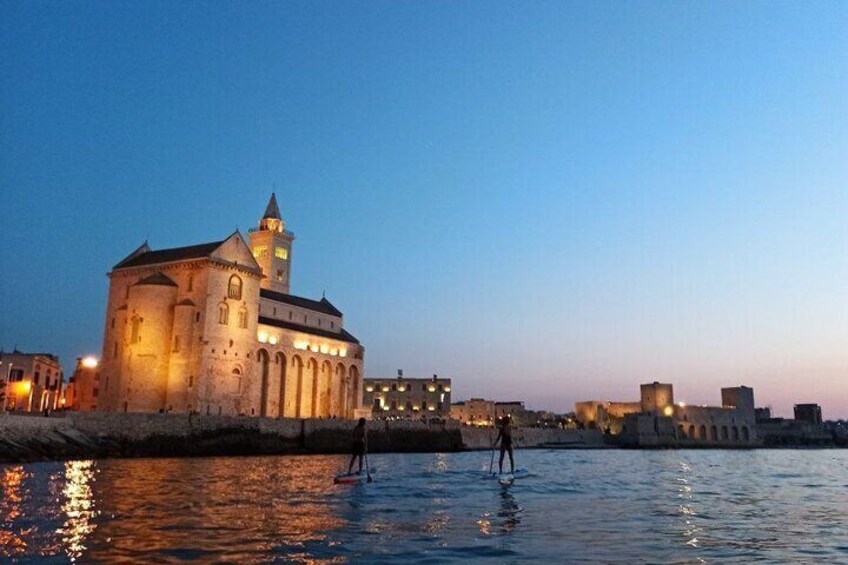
x=579, y=506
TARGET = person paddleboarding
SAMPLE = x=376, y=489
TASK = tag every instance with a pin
x=359, y=446
x=505, y=437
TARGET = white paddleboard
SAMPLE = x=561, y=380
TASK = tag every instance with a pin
x=508, y=478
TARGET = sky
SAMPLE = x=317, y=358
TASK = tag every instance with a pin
x=545, y=201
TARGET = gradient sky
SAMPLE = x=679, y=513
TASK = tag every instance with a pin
x=547, y=201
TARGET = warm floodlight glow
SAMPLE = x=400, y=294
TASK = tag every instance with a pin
x=343, y=352
x=262, y=337
x=668, y=410
x=325, y=348
x=89, y=362
x=272, y=340
x=682, y=404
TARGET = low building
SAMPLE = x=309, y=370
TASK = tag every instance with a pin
x=408, y=398
x=809, y=413
x=83, y=386
x=34, y=381
x=482, y=412
x=519, y=415
x=474, y=412
x=784, y=432
x=604, y=415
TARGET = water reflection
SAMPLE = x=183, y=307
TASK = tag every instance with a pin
x=78, y=507
x=671, y=507
x=505, y=520
x=686, y=508
x=11, y=536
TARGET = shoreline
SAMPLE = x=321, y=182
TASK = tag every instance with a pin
x=93, y=435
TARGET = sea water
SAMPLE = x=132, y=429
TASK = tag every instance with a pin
x=607, y=506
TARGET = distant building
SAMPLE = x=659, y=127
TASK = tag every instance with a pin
x=34, y=381
x=809, y=413
x=474, y=412
x=661, y=422
x=604, y=414
x=83, y=386
x=482, y=412
x=515, y=410
x=408, y=398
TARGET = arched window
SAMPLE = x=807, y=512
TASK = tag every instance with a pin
x=242, y=318
x=223, y=314
x=234, y=288
x=190, y=285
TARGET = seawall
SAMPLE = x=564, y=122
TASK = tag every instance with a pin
x=84, y=435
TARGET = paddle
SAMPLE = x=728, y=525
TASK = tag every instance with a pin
x=492, y=460
x=367, y=470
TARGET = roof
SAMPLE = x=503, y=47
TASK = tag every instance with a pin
x=272, y=210
x=156, y=278
x=324, y=306
x=169, y=255
x=343, y=335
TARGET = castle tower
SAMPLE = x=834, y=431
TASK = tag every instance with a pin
x=271, y=245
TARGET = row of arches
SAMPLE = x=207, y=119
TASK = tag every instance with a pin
x=296, y=388
x=714, y=433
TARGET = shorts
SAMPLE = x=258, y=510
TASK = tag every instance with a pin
x=359, y=448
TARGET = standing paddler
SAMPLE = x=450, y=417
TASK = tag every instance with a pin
x=505, y=437
x=359, y=446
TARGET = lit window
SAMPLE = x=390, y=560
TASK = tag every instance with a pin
x=223, y=314
x=260, y=251
x=281, y=253
x=234, y=289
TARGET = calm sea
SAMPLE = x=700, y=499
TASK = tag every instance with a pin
x=578, y=506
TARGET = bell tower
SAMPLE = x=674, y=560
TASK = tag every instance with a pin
x=271, y=245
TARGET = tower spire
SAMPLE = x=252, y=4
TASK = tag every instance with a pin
x=272, y=210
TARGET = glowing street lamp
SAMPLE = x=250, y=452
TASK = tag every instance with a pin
x=90, y=362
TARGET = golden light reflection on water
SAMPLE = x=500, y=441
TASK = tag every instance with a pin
x=78, y=507
x=197, y=508
x=686, y=508
x=12, y=540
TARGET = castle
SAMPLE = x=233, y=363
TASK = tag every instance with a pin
x=213, y=328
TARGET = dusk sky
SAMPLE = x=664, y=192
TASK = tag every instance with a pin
x=545, y=201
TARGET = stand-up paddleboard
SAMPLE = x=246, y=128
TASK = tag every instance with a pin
x=508, y=478
x=351, y=478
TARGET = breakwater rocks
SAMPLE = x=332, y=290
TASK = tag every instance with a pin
x=85, y=435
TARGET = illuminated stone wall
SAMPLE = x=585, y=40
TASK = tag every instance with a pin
x=181, y=358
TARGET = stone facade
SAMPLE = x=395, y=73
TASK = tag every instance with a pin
x=83, y=386
x=212, y=328
x=32, y=381
x=408, y=398
x=604, y=414
x=474, y=412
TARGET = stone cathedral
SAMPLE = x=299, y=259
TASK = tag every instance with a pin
x=213, y=328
